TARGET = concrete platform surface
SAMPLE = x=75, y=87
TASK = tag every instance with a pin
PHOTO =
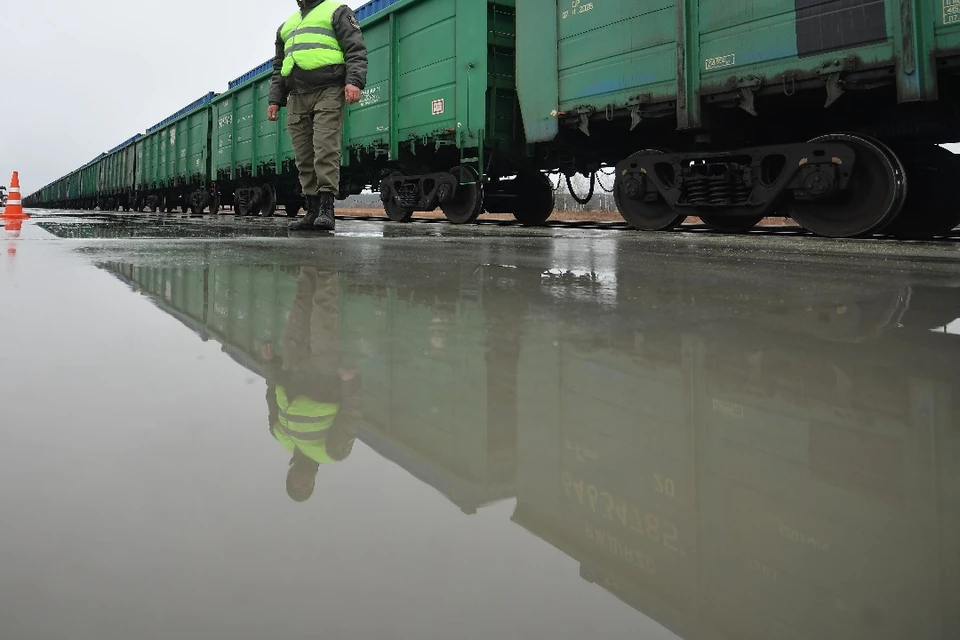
x=212, y=428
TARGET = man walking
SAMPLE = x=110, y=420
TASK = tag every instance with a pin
x=320, y=64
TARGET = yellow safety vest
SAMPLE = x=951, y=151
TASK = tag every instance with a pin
x=310, y=42
x=304, y=424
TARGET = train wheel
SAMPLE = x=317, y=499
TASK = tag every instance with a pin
x=198, y=202
x=468, y=203
x=246, y=207
x=875, y=193
x=639, y=213
x=268, y=200
x=536, y=201
x=731, y=224
x=931, y=208
x=396, y=213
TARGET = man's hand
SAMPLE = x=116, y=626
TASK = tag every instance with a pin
x=273, y=112
x=352, y=94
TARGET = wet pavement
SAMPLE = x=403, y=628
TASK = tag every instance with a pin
x=502, y=433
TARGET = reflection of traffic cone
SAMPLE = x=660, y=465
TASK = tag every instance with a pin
x=13, y=225
x=14, y=204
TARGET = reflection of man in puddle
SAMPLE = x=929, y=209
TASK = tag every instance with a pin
x=313, y=399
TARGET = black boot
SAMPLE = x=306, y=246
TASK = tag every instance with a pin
x=313, y=210
x=326, y=220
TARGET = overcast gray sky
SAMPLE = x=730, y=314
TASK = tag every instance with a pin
x=81, y=76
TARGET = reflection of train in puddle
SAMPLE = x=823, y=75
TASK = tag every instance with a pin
x=784, y=468
x=431, y=401
x=776, y=466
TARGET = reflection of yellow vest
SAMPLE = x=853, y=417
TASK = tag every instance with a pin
x=304, y=424
x=310, y=42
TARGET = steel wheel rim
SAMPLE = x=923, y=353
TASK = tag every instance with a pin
x=876, y=192
x=394, y=212
x=645, y=216
x=931, y=208
x=537, y=206
x=268, y=201
x=469, y=199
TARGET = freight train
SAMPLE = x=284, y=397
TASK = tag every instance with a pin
x=829, y=112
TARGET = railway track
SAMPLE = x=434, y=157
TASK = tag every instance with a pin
x=770, y=230
x=278, y=224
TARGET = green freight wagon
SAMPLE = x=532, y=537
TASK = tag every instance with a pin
x=89, y=183
x=825, y=111
x=252, y=158
x=172, y=161
x=117, y=176
x=438, y=123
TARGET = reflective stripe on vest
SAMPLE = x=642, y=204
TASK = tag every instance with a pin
x=310, y=42
x=304, y=424
x=303, y=418
x=316, y=450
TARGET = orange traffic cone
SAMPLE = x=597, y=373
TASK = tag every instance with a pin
x=14, y=204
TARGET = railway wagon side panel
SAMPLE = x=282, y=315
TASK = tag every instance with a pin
x=73, y=186
x=195, y=147
x=183, y=148
x=109, y=175
x=368, y=121
x=147, y=170
x=428, y=75
x=644, y=56
x=90, y=180
x=119, y=171
x=118, y=175
x=244, y=140
x=234, y=124
x=945, y=17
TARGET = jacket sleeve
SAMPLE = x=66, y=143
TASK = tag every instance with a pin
x=271, y=371
x=346, y=426
x=347, y=29
x=278, y=89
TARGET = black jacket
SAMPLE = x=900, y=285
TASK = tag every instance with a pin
x=353, y=71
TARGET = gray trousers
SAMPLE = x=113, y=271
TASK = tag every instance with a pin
x=315, y=121
x=311, y=340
